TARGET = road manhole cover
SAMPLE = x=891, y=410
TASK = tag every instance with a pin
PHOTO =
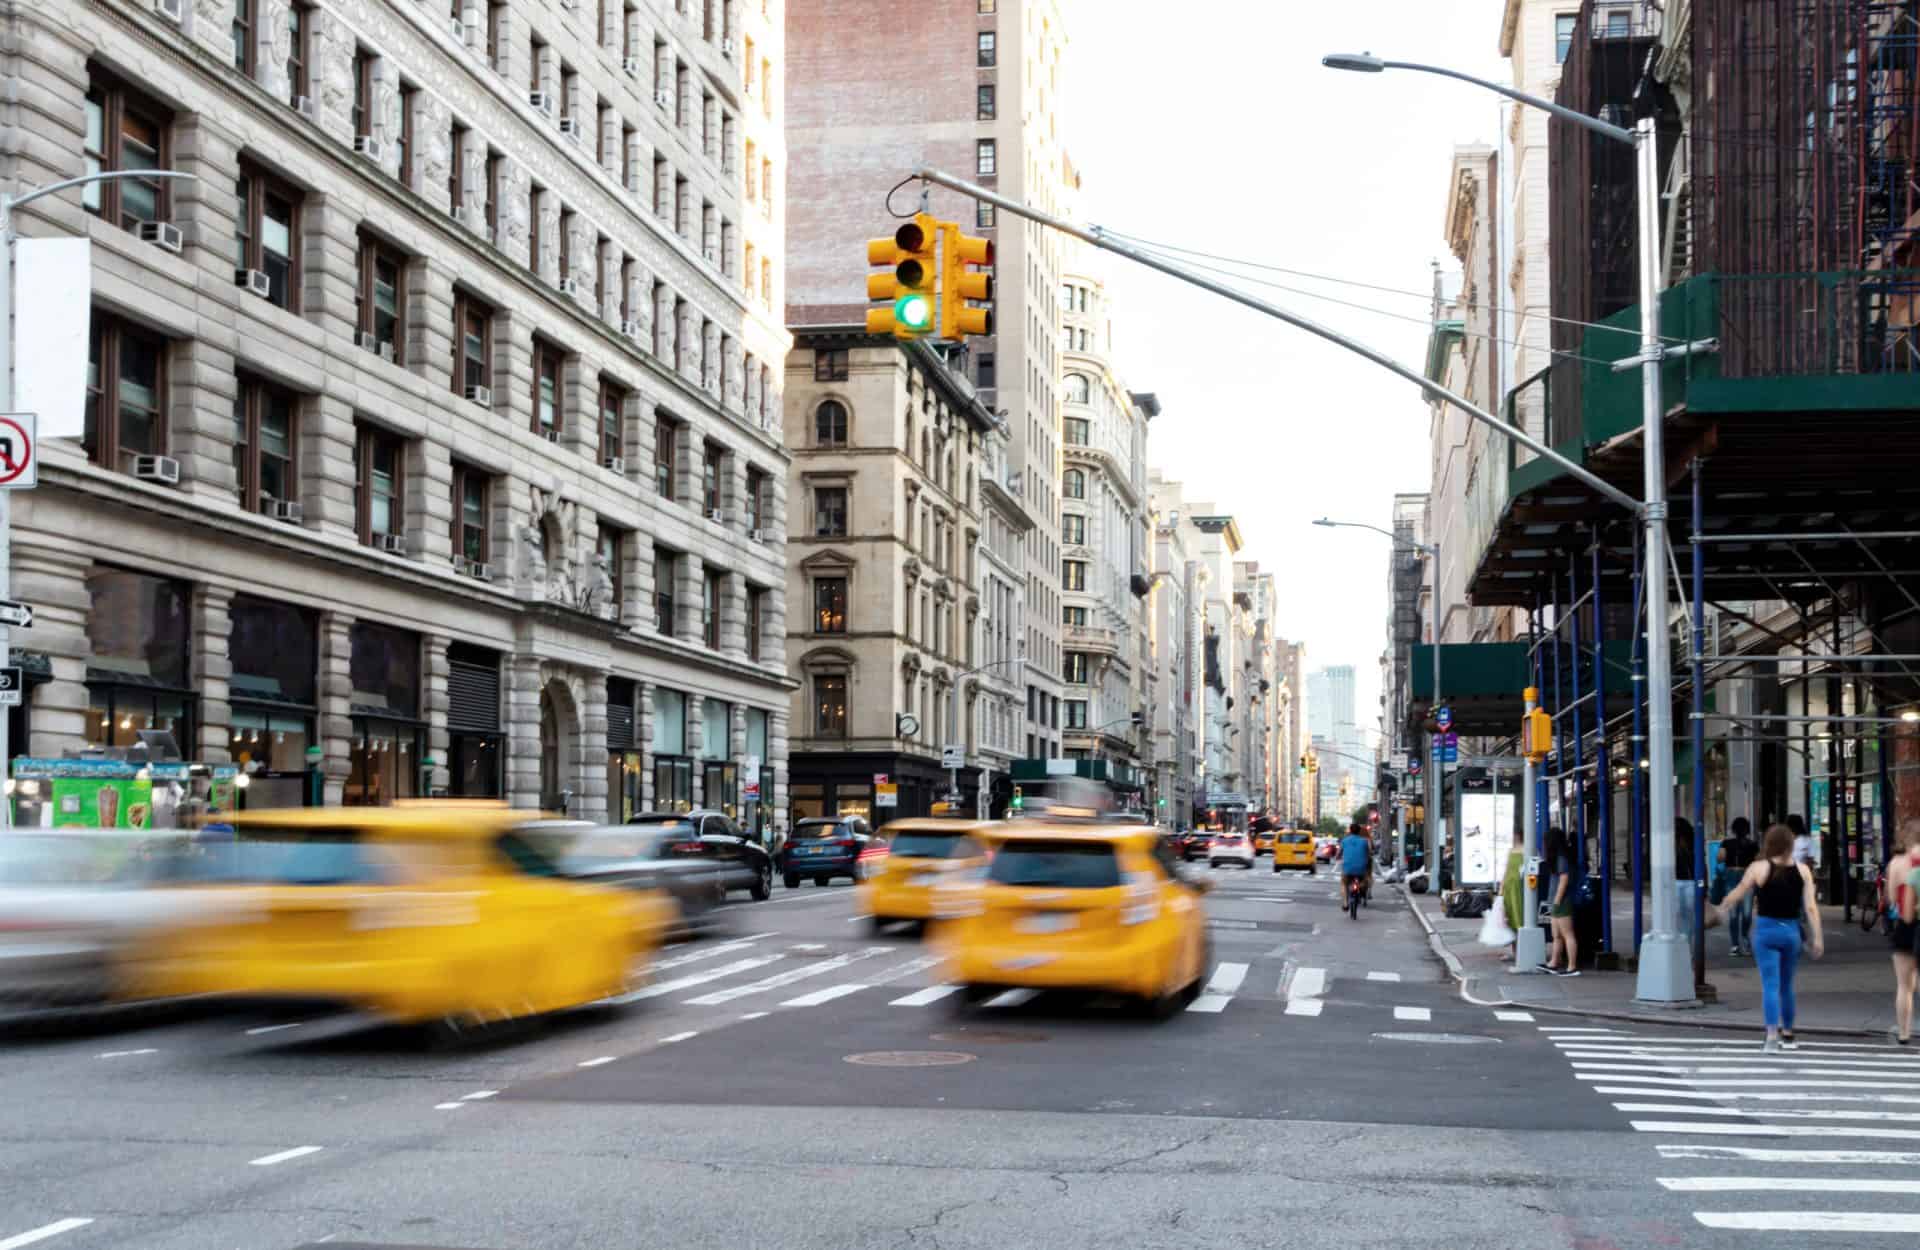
x=989, y=1037
x=1438, y=1039
x=910, y=1058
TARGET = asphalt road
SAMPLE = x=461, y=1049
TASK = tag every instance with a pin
x=799, y=1082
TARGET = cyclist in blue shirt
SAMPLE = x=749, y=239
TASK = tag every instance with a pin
x=1356, y=857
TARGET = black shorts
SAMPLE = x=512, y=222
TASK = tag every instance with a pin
x=1902, y=936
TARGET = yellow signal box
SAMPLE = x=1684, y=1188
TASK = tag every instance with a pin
x=911, y=289
x=959, y=253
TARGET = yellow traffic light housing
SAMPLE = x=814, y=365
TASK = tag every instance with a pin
x=958, y=283
x=1536, y=735
x=911, y=290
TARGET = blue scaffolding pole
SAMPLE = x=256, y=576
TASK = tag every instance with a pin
x=1697, y=648
x=1602, y=773
x=1579, y=821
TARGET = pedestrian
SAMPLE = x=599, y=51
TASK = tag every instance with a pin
x=1782, y=888
x=1903, y=873
x=1737, y=854
x=1560, y=869
x=1513, y=897
x=1682, y=849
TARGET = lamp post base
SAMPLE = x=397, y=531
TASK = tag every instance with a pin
x=1665, y=975
x=1529, y=949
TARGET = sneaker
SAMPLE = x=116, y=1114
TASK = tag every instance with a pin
x=1787, y=1042
x=1544, y=968
x=1564, y=972
x=1772, y=1044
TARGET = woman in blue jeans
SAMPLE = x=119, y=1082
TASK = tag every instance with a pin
x=1783, y=896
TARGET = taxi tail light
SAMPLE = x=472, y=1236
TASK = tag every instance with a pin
x=873, y=853
x=1143, y=900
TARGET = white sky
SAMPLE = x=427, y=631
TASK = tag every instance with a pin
x=1212, y=125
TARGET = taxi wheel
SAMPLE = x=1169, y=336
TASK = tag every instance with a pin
x=793, y=880
x=969, y=997
x=877, y=925
x=762, y=887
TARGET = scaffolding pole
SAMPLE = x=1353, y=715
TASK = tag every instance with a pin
x=1603, y=784
x=1697, y=644
x=1579, y=821
x=1638, y=678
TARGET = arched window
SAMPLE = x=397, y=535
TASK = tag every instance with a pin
x=1078, y=388
x=1073, y=484
x=830, y=424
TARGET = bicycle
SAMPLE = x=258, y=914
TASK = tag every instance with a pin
x=1881, y=912
x=1356, y=896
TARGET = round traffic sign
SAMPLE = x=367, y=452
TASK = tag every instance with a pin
x=1443, y=716
x=16, y=451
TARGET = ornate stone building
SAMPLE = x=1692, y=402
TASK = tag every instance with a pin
x=432, y=437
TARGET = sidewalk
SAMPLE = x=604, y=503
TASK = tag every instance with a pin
x=1848, y=991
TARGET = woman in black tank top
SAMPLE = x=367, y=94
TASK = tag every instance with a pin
x=1783, y=895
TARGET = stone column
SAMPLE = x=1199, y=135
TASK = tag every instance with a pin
x=205, y=207
x=643, y=732
x=200, y=419
x=330, y=264
x=737, y=732
x=777, y=740
x=50, y=572
x=697, y=745
x=689, y=608
x=212, y=671
x=434, y=701
x=327, y=447
x=549, y=211
x=733, y=614
x=663, y=323
x=336, y=704
x=523, y=730
x=591, y=800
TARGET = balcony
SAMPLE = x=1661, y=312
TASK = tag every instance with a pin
x=1093, y=638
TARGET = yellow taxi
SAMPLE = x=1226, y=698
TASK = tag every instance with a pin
x=1070, y=903
x=434, y=911
x=1263, y=842
x=1293, y=848
x=920, y=854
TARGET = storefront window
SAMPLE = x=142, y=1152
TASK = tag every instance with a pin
x=385, y=761
x=672, y=783
x=389, y=743
x=807, y=801
x=720, y=788
x=473, y=765
x=669, y=722
x=138, y=677
x=716, y=721
x=475, y=745
x=854, y=800
x=385, y=666
x=272, y=647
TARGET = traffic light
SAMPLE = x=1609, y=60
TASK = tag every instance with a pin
x=911, y=289
x=958, y=284
x=1017, y=801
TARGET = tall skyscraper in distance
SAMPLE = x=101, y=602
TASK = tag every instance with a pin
x=1331, y=720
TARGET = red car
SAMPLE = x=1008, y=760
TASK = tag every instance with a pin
x=1326, y=849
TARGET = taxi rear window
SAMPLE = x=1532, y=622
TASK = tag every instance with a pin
x=1055, y=865
x=1295, y=837
x=926, y=845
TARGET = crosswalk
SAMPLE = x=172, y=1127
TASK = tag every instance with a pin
x=1833, y=1125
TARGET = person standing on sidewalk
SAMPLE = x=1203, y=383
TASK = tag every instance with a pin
x=1513, y=896
x=1782, y=889
x=1560, y=864
x=1736, y=856
x=1902, y=871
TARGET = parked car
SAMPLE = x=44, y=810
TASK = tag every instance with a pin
x=652, y=857
x=744, y=861
x=823, y=848
x=1230, y=848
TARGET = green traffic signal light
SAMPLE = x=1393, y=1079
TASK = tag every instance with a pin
x=913, y=311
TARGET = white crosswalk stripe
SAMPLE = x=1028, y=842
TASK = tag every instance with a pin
x=924, y=998
x=780, y=980
x=1226, y=982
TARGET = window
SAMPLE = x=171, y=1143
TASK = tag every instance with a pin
x=242, y=29
x=747, y=270
x=126, y=379
x=1079, y=390
x=830, y=424
x=830, y=365
x=1076, y=713
x=546, y=389
x=986, y=57
x=1074, y=616
x=1619, y=23
x=472, y=344
x=379, y=460
x=1073, y=529
x=299, y=22
x=456, y=169
x=983, y=215
x=766, y=292
x=471, y=488
x=830, y=705
x=263, y=442
x=712, y=456
x=830, y=511
x=380, y=297
x=565, y=229
x=984, y=108
x=1563, y=25
x=124, y=133
x=766, y=188
x=362, y=93
x=752, y=189
x=987, y=6
x=1076, y=668
x=663, y=440
x=757, y=499
x=829, y=605
x=612, y=400
x=663, y=570
x=1073, y=575
x=756, y=621
x=408, y=94
x=710, y=609
x=983, y=371
x=1078, y=431
x=983, y=158
x=268, y=224
x=533, y=228
x=494, y=189
x=610, y=552
x=1073, y=484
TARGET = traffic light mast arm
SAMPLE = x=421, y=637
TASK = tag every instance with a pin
x=1100, y=239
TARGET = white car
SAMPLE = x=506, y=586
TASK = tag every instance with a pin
x=1230, y=848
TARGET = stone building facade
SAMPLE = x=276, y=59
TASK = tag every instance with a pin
x=432, y=439
x=898, y=489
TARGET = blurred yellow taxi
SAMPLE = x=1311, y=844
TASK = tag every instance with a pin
x=920, y=854
x=421, y=912
x=1077, y=904
x=1293, y=848
x=1263, y=842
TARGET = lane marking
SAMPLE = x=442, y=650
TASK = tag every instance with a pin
x=267, y=1161
x=1383, y=976
x=478, y=1095
x=1210, y=1004
x=1785, y=1184
x=924, y=998
x=1012, y=998
x=1222, y=923
x=1755, y=1128
x=694, y=978
x=1308, y=983
x=780, y=979
x=274, y=1028
x=1675, y=1069
x=1304, y=1006
x=823, y=996
x=1784, y=1113
x=808, y=946
x=1812, y=1221
x=44, y=1231
x=1514, y=1017
x=907, y=969
x=693, y=957
x=1412, y=1013
x=1755, y=1095
x=1645, y=1041
x=679, y=1037
x=121, y=1054
x=1227, y=978
x=1812, y=1067
x=1731, y=1085
x=1763, y=1154
x=448, y=1106
x=594, y=1063
x=754, y=1015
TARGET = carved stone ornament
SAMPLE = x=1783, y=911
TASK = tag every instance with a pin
x=549, y=237
x=912, y=569
x=600, y=592
x=436, y=152
x=473, y=178
x=515, y=185
x=736, y=381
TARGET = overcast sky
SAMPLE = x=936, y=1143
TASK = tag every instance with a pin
x=1213, y=126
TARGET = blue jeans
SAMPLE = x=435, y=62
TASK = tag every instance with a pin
x=1776, y=948
x=1740, y=923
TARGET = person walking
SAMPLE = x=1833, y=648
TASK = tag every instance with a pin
x=1513, y=896
x=1737, y=854
x=1903, y=873
x=1782, y=889
x=1560, y=867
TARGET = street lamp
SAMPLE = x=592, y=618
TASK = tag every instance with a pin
x=1437, y=821
x=1666, y=961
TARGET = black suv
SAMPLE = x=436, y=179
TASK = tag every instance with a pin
x=743, y=861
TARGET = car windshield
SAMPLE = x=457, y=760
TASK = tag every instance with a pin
x=1058, y=865
x=925, y=845
x=1293, y=837
x=811, y=831
x=618, y=845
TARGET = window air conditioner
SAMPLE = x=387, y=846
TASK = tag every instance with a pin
x=631, y=329
x=368, y=146
x=480, y=569
x=663, y=99
x=552, y=436
x=157, y=469
x=726, y=47
x=569, y=286
x=541, y=100
x=481, y=395
x=394, y=543
x=254, y=280
x=371, y=342
x=570, y=127
x=281, y=510
x=163, y=234
x=713, y=514
x=616, y=464
x=631, y=66
x=759, y=535
x=172, y=10
x=303, y=105
x=458, y=29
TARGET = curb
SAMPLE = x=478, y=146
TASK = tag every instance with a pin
x=1678, y=1016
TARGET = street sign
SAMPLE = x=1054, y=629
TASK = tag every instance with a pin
x=1449, y=748
x=19, y=461
x=1413, y=765
x=1443, y=717
x=953, y=757
x=10, y=687
x=886, y=794
x=749, y=790
x=880, y=779
x=16, y=615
